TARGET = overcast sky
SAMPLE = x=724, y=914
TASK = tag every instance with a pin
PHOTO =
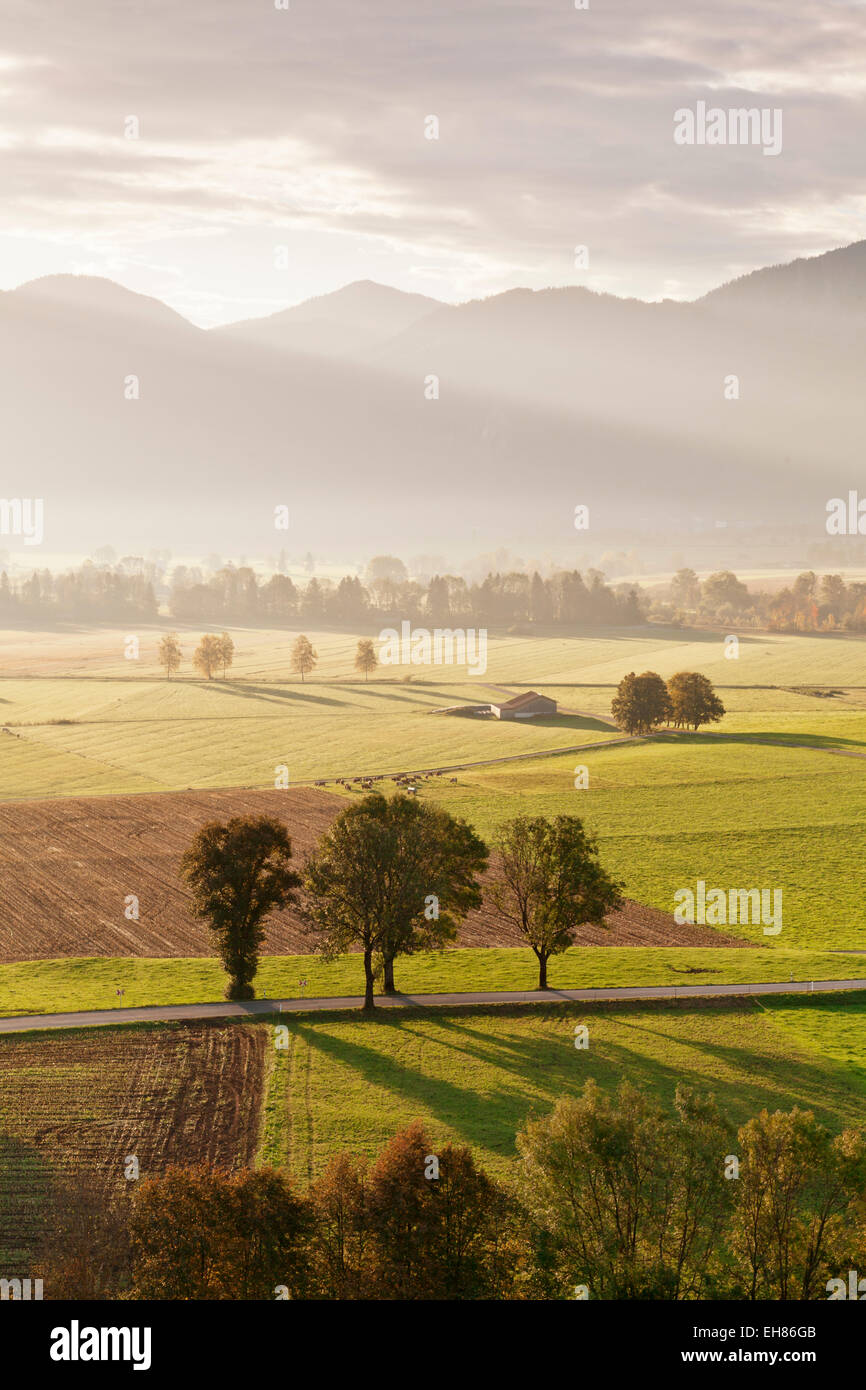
x=305, y=129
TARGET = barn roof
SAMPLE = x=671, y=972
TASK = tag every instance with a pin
x=527, y=698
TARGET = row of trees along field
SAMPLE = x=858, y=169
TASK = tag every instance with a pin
x=136, y=589
x=810, y=604
x=615, y=1197
x=499, y=600
x=389, y=878
x=686, y=701
x=139, y=589
x=216, y=653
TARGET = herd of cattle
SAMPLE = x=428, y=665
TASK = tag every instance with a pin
x=408, y=781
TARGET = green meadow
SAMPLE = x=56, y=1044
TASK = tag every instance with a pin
x=93, y=723
x=476, y=1076
x=669, y=812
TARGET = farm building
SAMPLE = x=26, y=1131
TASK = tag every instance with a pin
x=526, y=706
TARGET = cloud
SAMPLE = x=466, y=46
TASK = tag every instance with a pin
x=307, y=125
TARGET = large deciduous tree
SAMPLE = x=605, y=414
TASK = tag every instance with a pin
x=641, y=703
x=424, y=1222
x=391, y=877
x=626, y=1200
x=239, y=872
x=551, y=883
x=693, y=700
x=798, y=1194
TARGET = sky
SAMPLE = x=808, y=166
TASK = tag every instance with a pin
x=232, y=158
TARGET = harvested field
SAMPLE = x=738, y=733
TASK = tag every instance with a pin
x=68, y=866
x=78, y=1103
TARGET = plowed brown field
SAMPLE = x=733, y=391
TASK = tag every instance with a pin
x=81, y=1103
x=67, y=867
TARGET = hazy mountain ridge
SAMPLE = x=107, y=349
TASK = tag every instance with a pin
x=546, y=399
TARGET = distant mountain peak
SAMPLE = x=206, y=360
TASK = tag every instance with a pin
x=91, y=293
x=351, y=319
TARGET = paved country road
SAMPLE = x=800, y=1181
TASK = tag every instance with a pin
x=172, y=1013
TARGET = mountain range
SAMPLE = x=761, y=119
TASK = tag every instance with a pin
x=390, y=421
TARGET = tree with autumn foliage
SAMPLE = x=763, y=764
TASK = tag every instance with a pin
x=693, y=700
x=303, y=657
x=799, y=1198
x=423, y=1222
x=641, y=703
x=365, y=657
x=204, y=1235
x=208, y=655
x=169, y=654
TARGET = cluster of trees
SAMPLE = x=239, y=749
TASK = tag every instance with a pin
x=615, y=1198
x=634, y=1203
x=500, y=600
x=213, y=653
x=389, y=878
x=103, y=593
x=810, y=604
x=686, y=701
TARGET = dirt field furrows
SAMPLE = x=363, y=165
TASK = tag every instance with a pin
x=73, y=1103
x=68, y=867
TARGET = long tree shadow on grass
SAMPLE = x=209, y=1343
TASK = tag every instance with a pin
x=773, y=1079
x=767, y=738
x=270, y=695
x=539, y=1070
x=486, y=1121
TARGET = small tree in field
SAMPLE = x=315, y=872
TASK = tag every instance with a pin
x=168, y=654
x=365, y=657
x=226, y=651
x=207, y=657
x=239, y=872
x=551, y=883
x=304, y=658
x=641, y=703
x=693, y=700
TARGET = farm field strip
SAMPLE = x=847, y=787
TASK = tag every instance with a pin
x=68, y=868
x=586, y=655
x=75, y=1101
x=82, y=1102
x=175, y=735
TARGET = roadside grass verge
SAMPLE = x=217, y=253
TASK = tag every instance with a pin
x=77, y=984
